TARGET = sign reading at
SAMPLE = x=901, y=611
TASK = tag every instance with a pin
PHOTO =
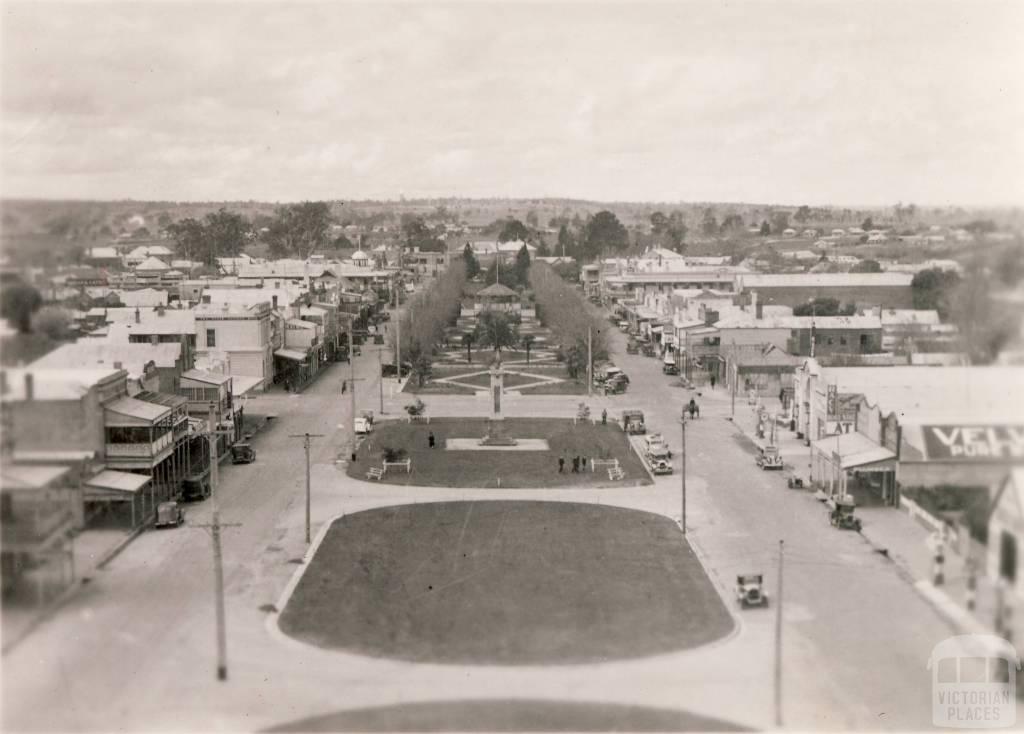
x=973, y=443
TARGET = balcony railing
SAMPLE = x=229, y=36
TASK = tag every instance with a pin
x=140, y=450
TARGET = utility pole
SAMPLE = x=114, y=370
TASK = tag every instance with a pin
x=218, y=559
x=306, y=437
x=380, y=379
x=778, y=646
x=398, y=330
x=682, y=473
x=734, y=378
x=590, y=362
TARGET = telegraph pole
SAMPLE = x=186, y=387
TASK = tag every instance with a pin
x=778, y=646
x=682, y=474
x=380, y=380
x=590, y=362
x=306, y=437
x=218, y=558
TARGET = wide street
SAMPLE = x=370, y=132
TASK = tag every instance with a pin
x=135, y=649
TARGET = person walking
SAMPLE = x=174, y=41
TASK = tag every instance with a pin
x=604, y=417
x=713, y=381
x=575, y=465
x=583, y=463
x=430, y=439
x=561, y=464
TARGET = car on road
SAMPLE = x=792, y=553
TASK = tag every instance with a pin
x=668, y=364
x=633, y=422
x=363, y=425
x=242, y=453
x=169, y=515
x=195, y=488
x=750, y=590
x=652, y=440
x=769, y=458
x=389, y=369
x=659, y=457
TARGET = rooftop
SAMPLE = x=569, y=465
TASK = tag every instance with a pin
x=135, y=408
x=57, y=383
x=822, y=280
x=746, y=320
x=30, y=476
x=95, y=353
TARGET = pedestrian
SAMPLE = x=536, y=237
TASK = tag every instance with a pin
x=561, y=464
x=575, y=465
x=344, y=386
x=430, y=439
x=604, y=417
x=583, y=463
x=713, y=381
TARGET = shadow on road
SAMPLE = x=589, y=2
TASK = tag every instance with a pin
x=516, y=715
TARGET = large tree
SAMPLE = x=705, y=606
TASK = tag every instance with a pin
x=189, y=237
x=513, y=230
x=297, y=230
x=522, y=265
x=418, y=235
x=566, y=242
x=933, y=289
x=225, y=235
x=17, y=304
x=867, y=266
x=472, y=264
x=495, y=329
x=604, y=233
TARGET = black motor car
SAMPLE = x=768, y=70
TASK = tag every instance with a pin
x=389, y=370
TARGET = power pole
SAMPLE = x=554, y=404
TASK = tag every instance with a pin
x=734, y=378
x=398, y=328
x=306, y=437
x=778, y=646
x=352, y=423
x=380, y=379
x=682, y=474
x=590, y=362
x=218, y=559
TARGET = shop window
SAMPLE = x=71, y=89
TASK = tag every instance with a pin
x=1008, y=557
x=842, y=340
x=863, y=341
x=211, y=337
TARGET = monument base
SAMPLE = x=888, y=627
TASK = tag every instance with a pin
x=498, y=441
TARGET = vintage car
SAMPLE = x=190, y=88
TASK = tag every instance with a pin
x=633, y=422
x=363, y=425
x=616, y=385
x=169, y=515
x=668, y=365
x=624, y=325
x=769, y=458
x=750, y=590
x=842, y=516
x=660, y=459
x=242, y=453
x=652, y=440
x=195, y=488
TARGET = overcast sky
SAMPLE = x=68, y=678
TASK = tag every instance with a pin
x=845, y=103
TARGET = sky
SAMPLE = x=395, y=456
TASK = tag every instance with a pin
x=853, y=103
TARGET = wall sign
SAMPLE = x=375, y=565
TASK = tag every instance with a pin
x=973, y=443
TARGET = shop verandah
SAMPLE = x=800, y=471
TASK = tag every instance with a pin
x=852, y=465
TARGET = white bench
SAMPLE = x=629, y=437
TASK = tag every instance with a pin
x=616, y=473
x=375, y=473
x=407, y=465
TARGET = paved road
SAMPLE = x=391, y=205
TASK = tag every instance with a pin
x=135, y=650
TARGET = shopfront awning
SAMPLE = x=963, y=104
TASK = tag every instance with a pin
x=243, y=384
x=855, y=450
x=291, y=354
x=116, y=481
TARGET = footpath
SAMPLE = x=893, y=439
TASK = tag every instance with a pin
x=905, y=535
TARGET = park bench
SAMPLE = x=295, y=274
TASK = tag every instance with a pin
x=616, y=473
x=375, y=473
x=604, y=463
x=407, y=465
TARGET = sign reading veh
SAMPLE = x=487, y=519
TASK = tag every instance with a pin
x=973, y=443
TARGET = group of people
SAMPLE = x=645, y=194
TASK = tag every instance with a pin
x=579, y=463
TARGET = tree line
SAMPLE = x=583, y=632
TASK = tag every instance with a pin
x=561, y=308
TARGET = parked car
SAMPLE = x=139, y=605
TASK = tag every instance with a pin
x=668, y=365
x=656, y=440
x=624, y=325
x=242, y=453
x=389, y=369
x=169, y=515
x=195, y=489
x=363, y=426
x=659, y=458
x=842, y=516
x=633, y=422
x=750, y=590
x=769, y=458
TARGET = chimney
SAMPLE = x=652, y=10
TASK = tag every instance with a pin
x=138, y=315
x=30, y=390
